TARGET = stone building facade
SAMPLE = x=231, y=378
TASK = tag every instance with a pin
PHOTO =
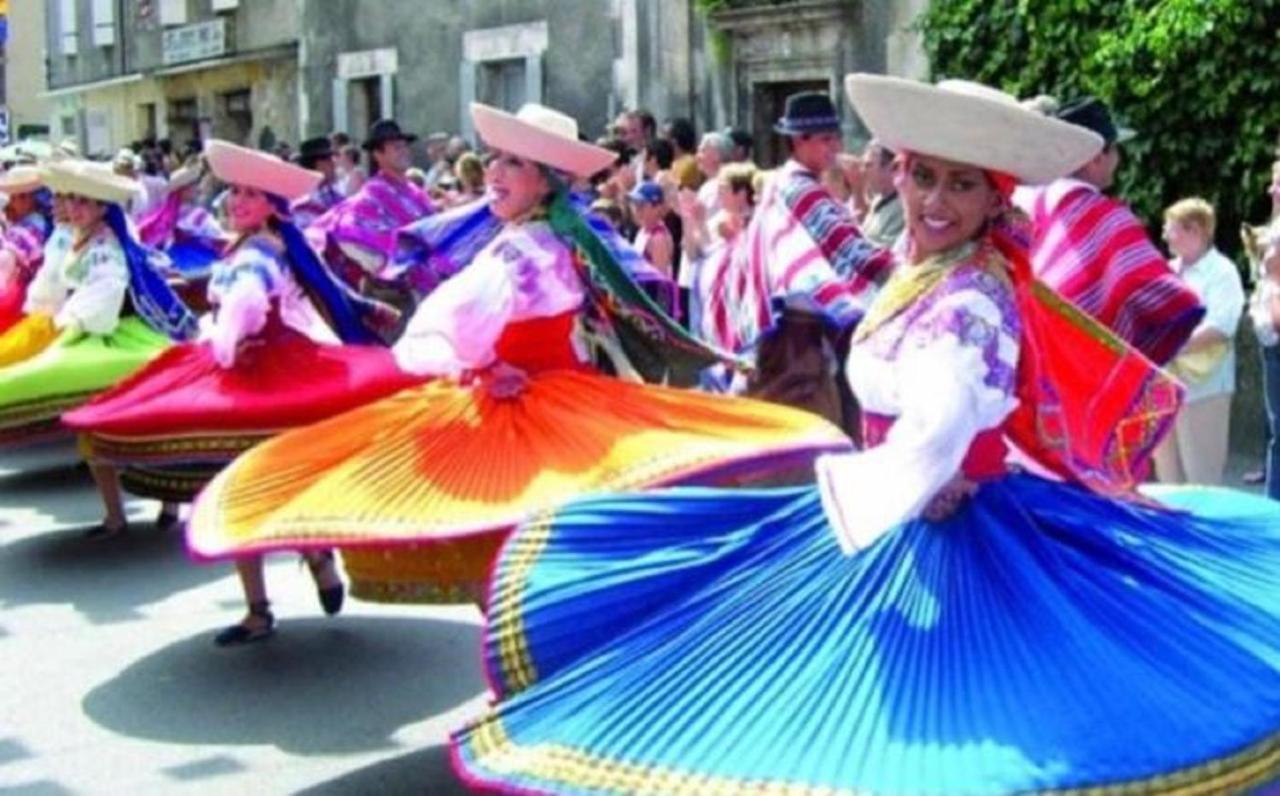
x=425, y=62
x=178, y=69
x=24, y=54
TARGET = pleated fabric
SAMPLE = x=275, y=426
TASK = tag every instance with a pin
x=184, y=408
x=444, y=461
x=70, y=369
x=26, y=337
x=1043, y=639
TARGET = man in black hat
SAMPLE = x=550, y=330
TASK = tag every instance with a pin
x=359, y=235
x=1093, y=250
x=804, y=248
x=317, y=154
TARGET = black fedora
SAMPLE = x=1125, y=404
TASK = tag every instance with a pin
x=810, y=112
x=385, y=130
x=314, y=149
x=1093, y=114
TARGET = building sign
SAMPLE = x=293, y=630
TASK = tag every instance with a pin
x=195, y=42
x=368, y=63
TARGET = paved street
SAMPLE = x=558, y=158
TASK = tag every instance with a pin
x=112, y=684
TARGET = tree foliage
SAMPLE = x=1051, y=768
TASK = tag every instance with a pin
x=1198, y=79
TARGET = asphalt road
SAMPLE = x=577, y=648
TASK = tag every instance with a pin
x=111, y=683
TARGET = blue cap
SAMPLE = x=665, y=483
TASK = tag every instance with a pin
x=647, y=192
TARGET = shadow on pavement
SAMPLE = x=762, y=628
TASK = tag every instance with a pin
x=426, y=772
x=318, y=686
x=106, y=581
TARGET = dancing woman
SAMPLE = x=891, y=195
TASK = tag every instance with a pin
x=270, y=358
x=421, y=488
x=926, y=619
x=28, y=226
x=93, y=315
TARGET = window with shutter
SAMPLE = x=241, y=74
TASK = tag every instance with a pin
x=104, y=23
x=68, y=24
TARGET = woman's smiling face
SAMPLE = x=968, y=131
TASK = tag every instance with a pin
x=946, y=203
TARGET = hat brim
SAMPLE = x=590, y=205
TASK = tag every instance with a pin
x=908, y=116
x=782, y=128
x=20, y=180
x=250, y=168
x=505, y=132
x=91, y=180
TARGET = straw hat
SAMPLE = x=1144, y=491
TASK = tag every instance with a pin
x=91, y=180
x=540, y=134
x=21, y=179
x=970, y=123
x=250, y=168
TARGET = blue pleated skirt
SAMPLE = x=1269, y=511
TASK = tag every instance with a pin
x=1042, y=639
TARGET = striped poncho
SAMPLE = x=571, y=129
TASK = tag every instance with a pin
x=358, y=237
x=802, y=251
x=1092, y=249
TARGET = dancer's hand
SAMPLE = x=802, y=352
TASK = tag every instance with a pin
x=949, y=499
x=506, y=381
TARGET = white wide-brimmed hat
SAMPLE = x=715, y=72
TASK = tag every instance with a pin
x=21, y=179
x=91, y=180
x=970, y=123
x=185, y=177
x=237, y=165
x=540, y=134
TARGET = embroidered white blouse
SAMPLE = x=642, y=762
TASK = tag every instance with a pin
x=85, y=287
x=945, y=369
x=244, y=288
x=525, y=272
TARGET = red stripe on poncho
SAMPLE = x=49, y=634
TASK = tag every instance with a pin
x=1094, y=252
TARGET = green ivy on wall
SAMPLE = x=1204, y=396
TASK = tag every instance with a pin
x=1198, y=79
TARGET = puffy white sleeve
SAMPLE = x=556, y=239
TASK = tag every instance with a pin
x=457, y=326
x=954, y=379
x=47, y=290
x=242, y=290
x=94, y=306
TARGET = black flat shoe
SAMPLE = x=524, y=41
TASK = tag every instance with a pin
x=240, y=633
x=103, y=532
x=331, y=599
x=330, y=596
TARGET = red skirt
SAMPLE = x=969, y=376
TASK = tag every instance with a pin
x=12, y=297
x=183, y=408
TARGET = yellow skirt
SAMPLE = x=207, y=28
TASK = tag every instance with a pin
x=420, y=489
x=26, y=338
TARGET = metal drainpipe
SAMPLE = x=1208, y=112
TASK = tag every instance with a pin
x=121, y=44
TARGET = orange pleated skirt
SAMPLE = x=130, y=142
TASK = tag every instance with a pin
x=420, y=489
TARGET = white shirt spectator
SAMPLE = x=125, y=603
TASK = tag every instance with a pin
x=1216, y=281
